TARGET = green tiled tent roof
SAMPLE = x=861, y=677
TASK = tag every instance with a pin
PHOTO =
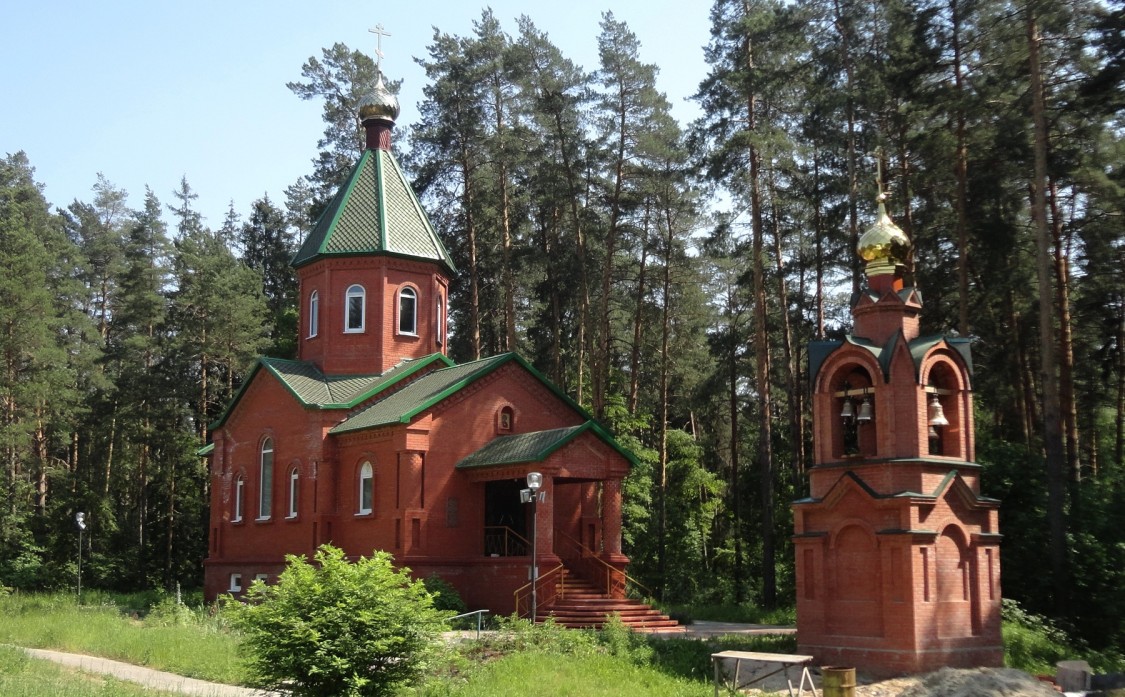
x=522, y=447
x=374, y=212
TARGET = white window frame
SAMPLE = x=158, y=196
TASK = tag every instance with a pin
x=265, y=479
x=239, y=498
x=294, y=482
x=262, y=577
x=314, y=313
x=366, y=486
x=439, y=321
x=355, y=291
x=235, y=583
x=403, y=293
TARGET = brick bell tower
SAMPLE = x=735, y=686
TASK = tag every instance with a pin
x=897, y=552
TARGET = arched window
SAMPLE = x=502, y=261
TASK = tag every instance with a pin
x=439, y=322
x=356, y=309
x=314, y=313
x=407, y=311
x=265, y=491
x=239, y=498
x=294, y=481
x=366, y=487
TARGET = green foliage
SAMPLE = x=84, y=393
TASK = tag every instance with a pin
x=446, y=598
x=332, y=627
x=1034, y=644
x=752, y=614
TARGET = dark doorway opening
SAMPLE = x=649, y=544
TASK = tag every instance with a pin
x=505, y=519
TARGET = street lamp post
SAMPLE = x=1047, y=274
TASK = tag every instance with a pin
x=531, y=495
x=80, y=520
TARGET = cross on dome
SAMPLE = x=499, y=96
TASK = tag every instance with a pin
x=379, y=32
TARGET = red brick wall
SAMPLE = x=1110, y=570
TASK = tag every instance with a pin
x=379, y=346
x=414, y=481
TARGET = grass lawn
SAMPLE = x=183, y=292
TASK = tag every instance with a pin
x=169, y=638
x=519, y=660
x=21, y=676
x=523, y=674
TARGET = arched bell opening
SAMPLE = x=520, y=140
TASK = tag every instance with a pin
x=945, y=411
x=853, y=413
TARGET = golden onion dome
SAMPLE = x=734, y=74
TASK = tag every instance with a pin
x=884, y=245
x=379, y=103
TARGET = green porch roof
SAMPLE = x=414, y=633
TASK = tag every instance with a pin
x=522, y=447
x=374, y=212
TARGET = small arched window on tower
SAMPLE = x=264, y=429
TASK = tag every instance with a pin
x=265, y=480
x=439, y=322
x=314, y=313
x=408, y=311
x=366, y=489
x=355, y=309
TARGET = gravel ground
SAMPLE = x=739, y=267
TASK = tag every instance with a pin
x=947, y=682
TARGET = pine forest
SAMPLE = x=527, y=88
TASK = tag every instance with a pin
x=669, y=276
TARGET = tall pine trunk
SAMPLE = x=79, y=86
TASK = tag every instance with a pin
x=638, y=319
x=1048, y=364
x=1067, y=402
x=761, y=355
x=961, y=172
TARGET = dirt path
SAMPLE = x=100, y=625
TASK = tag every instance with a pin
x=148, y=677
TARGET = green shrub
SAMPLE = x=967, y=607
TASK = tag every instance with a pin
x=336, y=628
x=445, y=595
x=623, y=642
x=514, y=635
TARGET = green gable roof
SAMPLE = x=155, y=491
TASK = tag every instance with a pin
x=523, y=447
x=315, y=390
x=431, y=388
x=419, y=395
x=374, y=212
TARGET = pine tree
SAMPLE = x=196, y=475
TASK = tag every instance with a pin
x=341, y=77
x=268, y=244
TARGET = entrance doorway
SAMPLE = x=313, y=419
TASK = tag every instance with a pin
x=505, y=519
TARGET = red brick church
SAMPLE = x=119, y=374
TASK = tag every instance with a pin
x=897, y=551
x=373, y=439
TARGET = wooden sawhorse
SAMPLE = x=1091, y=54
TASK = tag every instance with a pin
x=783, y=660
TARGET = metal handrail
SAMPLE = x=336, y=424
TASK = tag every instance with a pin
x=525, y=590
x=478, y=613
x=588, y=553
x=507, y=533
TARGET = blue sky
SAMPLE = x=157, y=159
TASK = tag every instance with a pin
x=147, y=92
